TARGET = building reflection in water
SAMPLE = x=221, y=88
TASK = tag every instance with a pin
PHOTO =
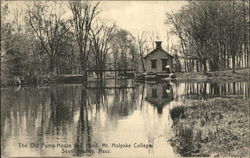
x=159, y=95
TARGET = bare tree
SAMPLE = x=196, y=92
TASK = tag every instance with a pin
x=142, y=47
x=152, y=38
x=208, y=33
x=101, y=37
x=177, y=29
x=83, y=15
x=48, y=26
x=123, y=48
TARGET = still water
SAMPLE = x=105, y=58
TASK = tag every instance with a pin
x=111, y=119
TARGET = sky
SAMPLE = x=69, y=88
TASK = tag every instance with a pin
x=133, y=16
x=139, y=16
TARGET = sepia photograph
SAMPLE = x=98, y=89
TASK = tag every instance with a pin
x=118, y=79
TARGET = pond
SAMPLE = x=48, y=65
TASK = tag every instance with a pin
x=110, y=119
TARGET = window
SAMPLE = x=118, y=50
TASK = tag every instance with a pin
x=153, y=64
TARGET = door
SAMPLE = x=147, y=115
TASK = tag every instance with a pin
x=164, y=64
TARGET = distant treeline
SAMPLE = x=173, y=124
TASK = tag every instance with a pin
x=213, y=35
x=45, y=39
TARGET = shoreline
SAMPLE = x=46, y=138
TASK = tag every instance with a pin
x=241, y=75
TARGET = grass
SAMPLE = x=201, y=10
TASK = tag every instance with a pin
x=239, y=75
x=216, y=127
x=177, y=113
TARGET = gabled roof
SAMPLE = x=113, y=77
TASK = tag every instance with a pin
x=157, y=49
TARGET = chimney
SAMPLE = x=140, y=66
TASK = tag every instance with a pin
x=158, y=44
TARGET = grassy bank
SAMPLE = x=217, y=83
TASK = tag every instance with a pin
x=217, y=127
x=239, y=75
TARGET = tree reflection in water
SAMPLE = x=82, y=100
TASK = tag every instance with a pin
x=76, y=115
x=60, y=114
x=101, y=97
x=83, y=135
x=124, y=101
x=207, y=90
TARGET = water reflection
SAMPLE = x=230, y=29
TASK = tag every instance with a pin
x=159, y=95
x=84, y=129
x=206, y=90
x=109, y=112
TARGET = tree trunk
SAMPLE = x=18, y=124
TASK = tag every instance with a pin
x=52, y=72
x=204, y=63
x=143, y=66
x=233, y=63
x=227, y=63
x=197, y=66
x=84, y=69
